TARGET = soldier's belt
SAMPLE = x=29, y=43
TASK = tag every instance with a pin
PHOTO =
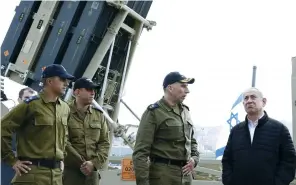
x=47, y=163
x=168, y=161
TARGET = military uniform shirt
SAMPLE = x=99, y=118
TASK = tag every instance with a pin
x=89, y=137
x=164, y=132
x=41, y=129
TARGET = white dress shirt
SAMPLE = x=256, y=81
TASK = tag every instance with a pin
x=252, y=126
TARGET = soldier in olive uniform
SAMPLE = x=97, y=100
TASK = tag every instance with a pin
x=88, y=135
x=7, y=173
x=165, y=137
x=40, y=124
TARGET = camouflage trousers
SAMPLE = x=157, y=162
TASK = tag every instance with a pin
x=166, y=174
x=39, y=176
x=76, y=177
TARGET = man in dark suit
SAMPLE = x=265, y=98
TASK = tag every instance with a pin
x=259, y=150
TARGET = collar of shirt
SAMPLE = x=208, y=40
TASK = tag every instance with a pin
x=175, y=109
x=45, y=99
x=74, y=109
x=253, y=124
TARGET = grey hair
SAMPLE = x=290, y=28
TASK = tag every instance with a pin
x=253, y=89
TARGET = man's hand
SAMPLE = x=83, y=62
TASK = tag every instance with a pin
x=21, y=167
x=87, y=168
x=188, y=168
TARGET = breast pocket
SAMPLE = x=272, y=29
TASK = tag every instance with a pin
x=171, y=130
x=44, y=120
x=95, y=130
x=76, y=129
x=42, y=127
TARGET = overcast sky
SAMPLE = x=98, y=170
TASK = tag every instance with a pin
x=216, y=42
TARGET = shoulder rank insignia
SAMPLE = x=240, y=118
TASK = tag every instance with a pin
x=32, y=98
x=153, y=106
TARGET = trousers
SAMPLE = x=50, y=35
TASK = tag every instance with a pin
x=166, y=174
x=39, y=176
x=76, y=177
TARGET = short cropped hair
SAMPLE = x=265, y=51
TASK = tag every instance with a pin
x=22, y=91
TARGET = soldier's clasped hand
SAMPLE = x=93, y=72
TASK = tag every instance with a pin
x=87, y=168
x=21, y=167
x=188, y=168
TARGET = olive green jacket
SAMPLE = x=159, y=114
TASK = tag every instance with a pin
x=163, y=132
x=88, y=138
x=40, y=127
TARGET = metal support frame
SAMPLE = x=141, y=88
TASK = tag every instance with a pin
x=111, y=136
x=293, y=88
x=105, y=44
x=101, y=99
x=112, y=32
x=147, y=24
x=128, y=29
x=117, y=106
x=138, y=28
x=101, y=51
x=136, y=116
x=116, y=129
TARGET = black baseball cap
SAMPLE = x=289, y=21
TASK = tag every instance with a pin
x=174, y=77
x=85, y=83
x=56, y=70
